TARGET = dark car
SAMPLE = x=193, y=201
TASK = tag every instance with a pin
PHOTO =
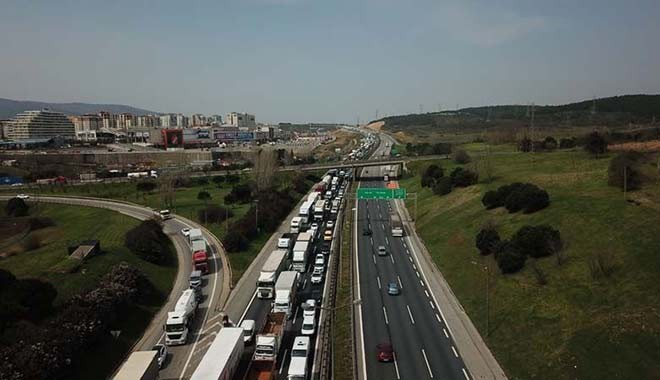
x=385, y=353
x=366, y=232
x=393, y=289
x=162, y=354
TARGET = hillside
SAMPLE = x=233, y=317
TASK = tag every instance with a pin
x=9, y=108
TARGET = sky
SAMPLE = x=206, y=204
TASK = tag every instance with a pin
x=326, y=60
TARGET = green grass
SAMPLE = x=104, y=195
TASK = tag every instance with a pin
x=575, y=326
x=343, y=333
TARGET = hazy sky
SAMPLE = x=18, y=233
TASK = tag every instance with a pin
x=326, y=60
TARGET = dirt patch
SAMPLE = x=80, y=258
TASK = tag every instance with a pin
x=376, y=126
x=344, y=140
x=646, y=146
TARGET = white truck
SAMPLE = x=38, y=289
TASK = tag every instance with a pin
x=194, y=234
x=396, y=225
x=285, y=293
x=269, y=272
x=284, y=243
x=300, y=250
x=178, y=321
x=314, y=196
x=319, y=209
x=140, y=365
x=295, y=225
x=223, y=356
x=299, y=355
x=305, y=212
x=305, y=236
x=145, y=174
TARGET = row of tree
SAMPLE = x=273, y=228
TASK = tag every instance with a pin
x=434, y=177
x=148, y=241
x=516, y=197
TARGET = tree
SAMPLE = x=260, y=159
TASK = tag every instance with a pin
x=622, y=171
x=442, y=186
x=431, y=174
x=537, y=241
x=567, y=143
x=204, y=196
x=509, y=259
x=463, y=177
x=16, y=207
x=487, y=241
x=234, y=241
x=214, y=214
x=549, y=143
x=148, y=241
x=239, y=194
x=534, y=199
x=595, y=144
x=525, y=144
x=146, y=186
x=461, y=157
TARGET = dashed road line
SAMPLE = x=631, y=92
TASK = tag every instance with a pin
x=385, y=314
x=378, y=279
x=283, y=360
x=373, y=257
x=392, y=258
x=410, y=315
x=444, y=330
x=454, y=349
x=400, y=283
x=465, y=374
x=432, y=305
x=396, y=366
x=427, y=363
x=417, y=273
x=427, y=293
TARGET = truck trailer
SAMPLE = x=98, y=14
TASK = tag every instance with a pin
x=223, y=356
x=140, y=365
x=300, y=250
x=285, y=292
x=269, y=272
x=178, y=321
x=264, y=361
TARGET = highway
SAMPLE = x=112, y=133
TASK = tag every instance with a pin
x=412, y=321
x=215, y=288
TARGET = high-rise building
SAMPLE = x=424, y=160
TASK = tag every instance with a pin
x=125, y=120
x=215, y=120
x=198, y=120
x=40, y=124
x=167, y=121
x=181, y=120
x=109, y=120
x=241, y=120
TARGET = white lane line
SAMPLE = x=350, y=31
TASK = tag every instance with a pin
x=283, y=361
x=465, y=374
x=246, y=309
x=378, y=279
x=444, y=330
x=427, y=363
x=372, y=240
x=421, y=283
x=209, y=328
x=410, y=315
x=385, y=314
x=396, y=366
x=454, y=349
x=427, y=293
x=387, y=240
x=432, y=305
x=373, y=257
x=295, y=315
x=382, y=225
x=400, y=283
x=417, y=273
x=414, y=266
x=410, y=258
x=392, y=258
x=359, y=291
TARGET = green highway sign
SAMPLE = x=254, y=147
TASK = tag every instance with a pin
x=380, y=193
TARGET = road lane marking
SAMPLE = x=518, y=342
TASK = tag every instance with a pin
x=373, y=257
x=387, y=241
x=295, y=315
x=444, y=330
x=357, y=274
x=246, y=309
x=417, y=273
x=283, y=361
x=427, y=293
x=421, y=283
x=400, y=283
x=414, y=266
x=392, y=258
x=209, y=328
x=385, y=314
x=378, y=279
x=410, y=258
x=432, y=305
x=454, y=349
x=382, y=225
x=396, y=366
x=427, y=363
x=465, y=374
x=410, y=315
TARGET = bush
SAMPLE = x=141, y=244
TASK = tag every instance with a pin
x=218, y=180
x=567, y=143
x=509, y=259
x=442, y=186
x=625, y=162
x=487, y=241
x=239, y=194
x=214, y=214
x=525, y=144
x=533, y=199
x=461, y=157
x=463, y=177
x=148, y=241
x=595, y=143
x=146, y=186
x=550, y=143
x=491, y=199
x=537, y=241
x=234, y=241
x=204, y=196
x=517, y=196
x=431, y=174
x=16, y=207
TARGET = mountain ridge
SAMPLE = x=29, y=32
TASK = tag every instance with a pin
x=10, y=108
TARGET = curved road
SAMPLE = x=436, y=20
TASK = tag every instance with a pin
x=215, y=286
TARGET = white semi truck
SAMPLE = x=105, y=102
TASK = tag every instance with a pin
x=300, y=250
x=178, y=321
x=269, y=272
x=140, y=365
x=319, y=209
x=285, y=292
x=222, y=358
x=295, y=224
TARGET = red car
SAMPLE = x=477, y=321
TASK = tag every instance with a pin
x=385, y=352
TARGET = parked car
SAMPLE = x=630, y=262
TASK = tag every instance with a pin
x=162, y=354
x=308, y=325
x=393, y=289
x=384, y=352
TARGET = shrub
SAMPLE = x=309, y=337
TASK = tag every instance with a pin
x=442, y=186
x=234, y=241
x=148, y=241
x=219, y=179
x=16, y=207
x=625, y=163
x=239, y=194
x=525, y=144
x=509, y=259
x=146, y=186
x=491, y=199
x=550, y=143
x=214, y=214
x=534, y=199
x=537, y=241
x=518, y=196
x=204, y=196
x=463, y=177
x=431, y=174
x=567, y=143
x=595, y=143
x=487, y=241
x=461, y=157
x=38, y=223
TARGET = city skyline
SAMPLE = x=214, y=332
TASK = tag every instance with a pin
x=305, y=61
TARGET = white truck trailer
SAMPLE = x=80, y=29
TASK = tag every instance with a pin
x=319, y=209
x=285, y=293
x=222, y=358
x=300, y=250
x=178, y=321
x=140, y=365
x=269, y=272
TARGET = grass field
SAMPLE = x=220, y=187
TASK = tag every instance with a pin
x=343, y=344
x=74, y=224
x=575, y=326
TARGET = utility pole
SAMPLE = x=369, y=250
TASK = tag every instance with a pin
x=531, y=129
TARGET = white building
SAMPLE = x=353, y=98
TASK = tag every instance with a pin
x=241, y=120
x=40, y=124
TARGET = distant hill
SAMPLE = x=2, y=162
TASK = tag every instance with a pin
x=10, y=108
x=611, y=111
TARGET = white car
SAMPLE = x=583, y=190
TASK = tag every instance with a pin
x=22, y=196
x=185, y=231
x=320, y=260
x=317, y=278
x=330, y=223
x=308, y=326
x=309, y=308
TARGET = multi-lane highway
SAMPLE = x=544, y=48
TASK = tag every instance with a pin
x=412, y=322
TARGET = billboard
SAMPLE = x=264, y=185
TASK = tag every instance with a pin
x=172, y=138
x=233, y=135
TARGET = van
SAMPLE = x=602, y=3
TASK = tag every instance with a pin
x=248, y=326
x=299, y=355
x=195, y=279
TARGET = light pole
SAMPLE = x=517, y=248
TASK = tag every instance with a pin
x=486, y=269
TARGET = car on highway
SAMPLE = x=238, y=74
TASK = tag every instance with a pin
x=317, y=277
x=327, y=235
x=393, y=289
x=248, y=326
x=299, y=355
x=309, y=308
x=366, y=232
x=320, y=260
x=313, y=228
x=325, y=251
x=185, y=231
x=22, y=196
x=162, y=354
x=330, y=224
x=382, y=251
x=384, y=352
x=308, y=325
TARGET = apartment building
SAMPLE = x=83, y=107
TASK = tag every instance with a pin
x=40, y=124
